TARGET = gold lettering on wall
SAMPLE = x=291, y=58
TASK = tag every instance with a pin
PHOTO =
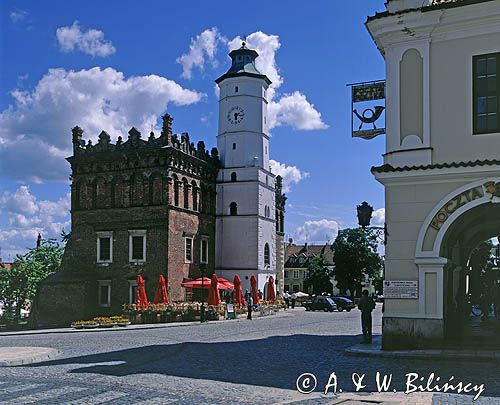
x=454, y=204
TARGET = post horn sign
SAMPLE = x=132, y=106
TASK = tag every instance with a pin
x=367, y=120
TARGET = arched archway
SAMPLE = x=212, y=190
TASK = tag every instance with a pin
x=470, y=283
x=457, y=225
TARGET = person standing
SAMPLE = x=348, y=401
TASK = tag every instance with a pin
x=286, y=297
x=366, y=305
x=294, y=298
x=249, y=299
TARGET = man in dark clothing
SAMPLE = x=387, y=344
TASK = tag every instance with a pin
x=366, y=305
x=249, y=300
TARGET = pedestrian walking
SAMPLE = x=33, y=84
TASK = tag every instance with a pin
x=294, y=298
x=366, y=305
x=286, y=297
x=249, y=300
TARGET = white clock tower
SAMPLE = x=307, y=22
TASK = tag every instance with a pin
x=245, y=224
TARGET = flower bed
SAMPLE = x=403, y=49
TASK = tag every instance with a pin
x=101, y=322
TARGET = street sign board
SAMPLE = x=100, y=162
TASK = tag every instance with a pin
x=406, y=289
x=230, y=312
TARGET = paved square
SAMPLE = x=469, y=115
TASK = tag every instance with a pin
x=248, y=362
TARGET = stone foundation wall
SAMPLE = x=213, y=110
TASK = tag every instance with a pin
x=412, y=333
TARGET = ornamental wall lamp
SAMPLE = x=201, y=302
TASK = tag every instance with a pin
x=365, y=212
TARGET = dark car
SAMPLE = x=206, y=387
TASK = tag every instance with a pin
x=343, y=303
x=320, y=304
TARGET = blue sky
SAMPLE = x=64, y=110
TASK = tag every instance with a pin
x=92, y=64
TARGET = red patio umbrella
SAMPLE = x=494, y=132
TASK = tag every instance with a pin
x=161, y=295
x=238, y=293
x=141, y=298
x=206, y=284
x=213, y=293
x=225, y=282
x=255, y=293
x=198, y=283
x=271, y=294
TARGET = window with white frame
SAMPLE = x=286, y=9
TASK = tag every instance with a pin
x=104, y=293
x=104, y=247
x=204, y=251
x=295, y=274
x=286, y=273
x=137, y=246
x=188, y=251
x=132, y=291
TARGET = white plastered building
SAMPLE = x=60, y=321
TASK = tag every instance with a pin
x=442, y=162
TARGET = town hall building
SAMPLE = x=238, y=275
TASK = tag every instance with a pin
x=160, y=205
x=441, y=168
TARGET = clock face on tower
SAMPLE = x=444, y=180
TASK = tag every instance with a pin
x=235, y=115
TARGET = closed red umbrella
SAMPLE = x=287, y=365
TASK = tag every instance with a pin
x=213, y=293
x=271, y=294
x=141, y=298
x=161, y=295
x=255, y=293
x=238, y=293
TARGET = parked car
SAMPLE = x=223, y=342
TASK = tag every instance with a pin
x=344, y=303
x=320, y=304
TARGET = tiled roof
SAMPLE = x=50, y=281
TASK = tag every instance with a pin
x=388, y=168
x=308, y=251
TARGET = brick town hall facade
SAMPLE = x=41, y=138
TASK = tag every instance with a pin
x=162, y=205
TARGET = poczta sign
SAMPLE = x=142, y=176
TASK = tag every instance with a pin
x=454, y=204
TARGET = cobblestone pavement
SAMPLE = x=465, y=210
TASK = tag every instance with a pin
x=254, y=362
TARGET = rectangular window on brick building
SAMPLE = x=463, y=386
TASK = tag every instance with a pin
x=188, y=256
x=104, y=247
x=137, y=246
x=204, y=251
x=104, y=293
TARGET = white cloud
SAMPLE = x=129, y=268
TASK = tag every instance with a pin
x=288, y=109
x=294, y=110
x=90, y=42
x=28, y=216
x=378, y=217
x=20, y=201
x=319, y=231
x=18, y=15
x=37, y=128
x=202, y=49
x=290, y=174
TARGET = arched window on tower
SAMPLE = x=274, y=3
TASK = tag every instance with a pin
x=195, y=195
x=185, y=187
x=233, y=208
x=267, y=255
x=176, y=191
x=234, y=176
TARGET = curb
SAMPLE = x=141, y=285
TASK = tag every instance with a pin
x=375, y=350
x=131, y=327
x=37, y=354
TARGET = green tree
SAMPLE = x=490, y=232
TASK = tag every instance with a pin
x=355, y=254
x=19, y=284
x=319, y=276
